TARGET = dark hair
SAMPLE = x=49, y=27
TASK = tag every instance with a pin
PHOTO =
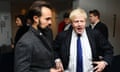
x=95, y=13
x=22, y=18
x=66, y=14
x=35, y=9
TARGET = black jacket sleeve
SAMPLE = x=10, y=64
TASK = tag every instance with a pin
x=104, y=45
x=23, y=55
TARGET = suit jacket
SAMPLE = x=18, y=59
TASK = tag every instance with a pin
x=101, y=27
x=97, y=42
x=20, y=32
x=33, y=53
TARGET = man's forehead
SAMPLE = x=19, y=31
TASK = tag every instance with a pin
x=46, y=11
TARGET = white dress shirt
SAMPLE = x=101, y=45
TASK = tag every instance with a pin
x=87, y=55
x=93, y=25
x=67, y=27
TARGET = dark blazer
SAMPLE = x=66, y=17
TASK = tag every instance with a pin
x=97, y=42
x=101, y=27
x=33, y=53
x=20, y=32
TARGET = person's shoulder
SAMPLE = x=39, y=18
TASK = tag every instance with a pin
x=27, y=37
x=88, y=29
x=102, y=24
x=92, y=32
x=25, y=42
x=64, y=34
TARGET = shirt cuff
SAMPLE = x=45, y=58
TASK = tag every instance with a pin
x=105, y=63
x=57, y=60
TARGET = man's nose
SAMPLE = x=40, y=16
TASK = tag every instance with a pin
x=50, y=22
x=79, y=23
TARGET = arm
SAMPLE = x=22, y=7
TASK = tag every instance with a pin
x=106, y=47
x=23, y=53
x=107, y=51
x=104, y=30
x=57, y=45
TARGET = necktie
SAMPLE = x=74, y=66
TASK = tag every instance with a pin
x=79, y=56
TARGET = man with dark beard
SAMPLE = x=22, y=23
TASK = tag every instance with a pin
x=33, y=52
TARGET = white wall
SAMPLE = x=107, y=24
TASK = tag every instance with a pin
x=107, y=9
x=5, y=22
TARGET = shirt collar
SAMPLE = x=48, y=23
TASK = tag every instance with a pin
x=82, y=35
x=93, y=25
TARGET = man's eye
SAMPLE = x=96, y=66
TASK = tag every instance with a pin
x=76, y=21
x=48, y=18
x=81, y=21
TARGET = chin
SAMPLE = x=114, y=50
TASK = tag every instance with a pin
x=79, y=32
x=43, y=27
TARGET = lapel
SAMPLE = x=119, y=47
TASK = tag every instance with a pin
x=90, y=38
x=97, y=25
x=91, y=41
x=68, y=41
x=44, y=40
x=66, y=48
x=90, y=26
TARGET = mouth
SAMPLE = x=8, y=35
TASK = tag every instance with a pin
x=79, y=29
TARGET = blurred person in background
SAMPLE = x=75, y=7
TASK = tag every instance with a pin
x=96, y=24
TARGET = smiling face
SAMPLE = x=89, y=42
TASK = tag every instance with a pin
x=78, y=24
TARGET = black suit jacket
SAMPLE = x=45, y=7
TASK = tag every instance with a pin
x=20, y=32
x=101, y=27
x=97, y=42
x=33, y=53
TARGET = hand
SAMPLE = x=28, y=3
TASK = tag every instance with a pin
x=55, y=70
x=100, y=65
x=59, y=65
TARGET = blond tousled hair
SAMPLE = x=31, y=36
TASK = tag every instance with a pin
x=76, y=12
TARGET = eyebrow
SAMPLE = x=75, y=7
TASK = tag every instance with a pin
x=48, y=18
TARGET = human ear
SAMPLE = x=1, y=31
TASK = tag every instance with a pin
x=36, y=19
